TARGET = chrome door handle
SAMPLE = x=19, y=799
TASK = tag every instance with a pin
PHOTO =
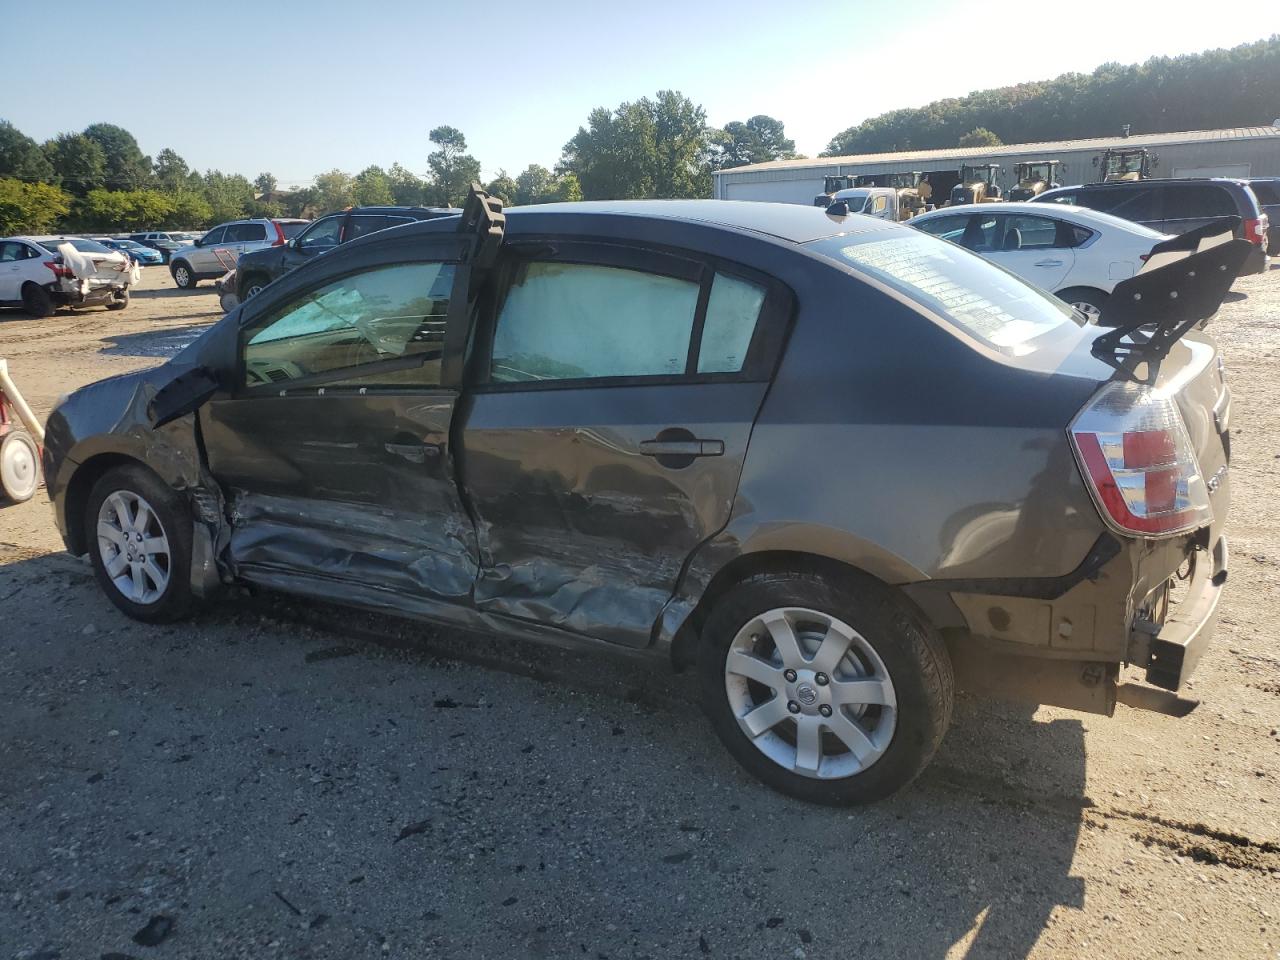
x=682, y=448
x=413, y=452
x=1048, y=263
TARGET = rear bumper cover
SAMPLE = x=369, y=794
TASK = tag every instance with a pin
x=1257, y=261
x=1182, y=639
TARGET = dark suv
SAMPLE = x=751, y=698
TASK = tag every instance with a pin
x=829, y=460
x=1176, y=206
x=255, y=270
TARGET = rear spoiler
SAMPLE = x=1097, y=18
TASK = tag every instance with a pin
x=1183, y=284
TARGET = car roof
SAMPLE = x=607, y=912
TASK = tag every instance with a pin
x=794, y=222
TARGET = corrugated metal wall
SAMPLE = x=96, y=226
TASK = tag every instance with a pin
x=1258, y=157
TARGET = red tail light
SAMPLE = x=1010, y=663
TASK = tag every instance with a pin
x=1255, y=231
x=279, y=241
x=1138, y=460
x=59, y=271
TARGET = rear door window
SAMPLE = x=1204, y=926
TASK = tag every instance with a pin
x=246, y=232
x=948, y=228
x=359, y=225
x=577, y=321
x=1029, y=233
x=1197, y=201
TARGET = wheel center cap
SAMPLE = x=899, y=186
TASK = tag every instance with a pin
x=806, y=694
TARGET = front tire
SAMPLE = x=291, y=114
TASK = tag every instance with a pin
x=36, y=301
x=139, y=534
x=830, y=690
x=183, y=275
x=19, y=466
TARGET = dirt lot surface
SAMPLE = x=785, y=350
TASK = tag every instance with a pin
x=275, y=780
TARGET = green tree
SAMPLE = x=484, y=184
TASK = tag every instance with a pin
x=533, y=185
x=757, y=140
x=124, y=210
x=79, y=164
x=265, y=183
x=21, y=157
x=228, y=195
x=452, y=169
x=373, y=188
x=191, y=211
x=335, y=190
x=30, y=207
x=567, y=189
x=502, y=187
x=979, y=137
x=128, y=168
x=171, y=171
x=304, y=202
x=406, y=186
x=658, y=147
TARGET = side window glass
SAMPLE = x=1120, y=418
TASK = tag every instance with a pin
x=322, y=235
x=246, y=232
x=9, y=252
x=383, y=314
x=879, y=206
x=732, y=312
x=215, y=235
x=1074, y=236
x=981, y=234
x=948, y=228
x=1138, y=204
x=1197, y=202
x=1025, y=233
x=361, y=225
x=568, y=321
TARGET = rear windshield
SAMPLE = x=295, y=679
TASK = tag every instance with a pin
x=291, y=230
x=1266, y=191
x=84, y=246
x=980, y=298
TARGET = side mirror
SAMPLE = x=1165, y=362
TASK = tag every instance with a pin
x=839, y=208
x=199, y=241
x=183, y=394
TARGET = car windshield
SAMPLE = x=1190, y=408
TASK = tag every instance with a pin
x=292, y=229
x=84, y=246
x=857, y=200
x=980, y=298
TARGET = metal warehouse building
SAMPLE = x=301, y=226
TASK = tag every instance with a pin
x=1236, y=152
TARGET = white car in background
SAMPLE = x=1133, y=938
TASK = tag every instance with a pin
x=35, y=276
x=1073, y=252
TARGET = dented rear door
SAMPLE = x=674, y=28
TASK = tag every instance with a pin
x=602, y=440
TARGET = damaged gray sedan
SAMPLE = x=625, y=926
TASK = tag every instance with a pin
x=837, y=464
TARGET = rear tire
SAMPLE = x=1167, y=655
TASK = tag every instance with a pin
x=138, y=531
x=183, y=276
x=37, y=301
x=119, y=301
x=1087, y=300
x=847, y=724
x=19, y=466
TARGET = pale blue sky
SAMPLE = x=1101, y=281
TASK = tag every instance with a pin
x=298, y=88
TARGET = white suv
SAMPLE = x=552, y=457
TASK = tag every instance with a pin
x=219, y=249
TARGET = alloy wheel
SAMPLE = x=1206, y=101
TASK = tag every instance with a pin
x=1088, y=309
x=810, y=693
x=133, y=547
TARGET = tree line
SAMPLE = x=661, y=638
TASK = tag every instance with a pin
x=1217, y=88
x=99, y=179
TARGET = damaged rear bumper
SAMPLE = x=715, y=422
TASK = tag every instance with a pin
x=1173, y=649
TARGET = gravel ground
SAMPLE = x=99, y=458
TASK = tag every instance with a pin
x=281, y=780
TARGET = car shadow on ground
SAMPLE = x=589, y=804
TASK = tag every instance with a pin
x=170, y=293
x=465, y=794
x=163, y=343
